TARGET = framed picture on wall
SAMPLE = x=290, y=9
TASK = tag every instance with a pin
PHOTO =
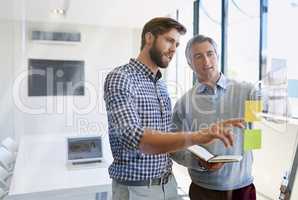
x=56, y=77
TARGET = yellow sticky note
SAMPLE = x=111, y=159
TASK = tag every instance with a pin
x=252, y=139
x=251, y=110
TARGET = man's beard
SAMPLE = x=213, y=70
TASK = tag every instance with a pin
x=156, y=56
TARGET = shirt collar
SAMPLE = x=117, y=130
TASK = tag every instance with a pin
x=221, y=83
x=145, y=70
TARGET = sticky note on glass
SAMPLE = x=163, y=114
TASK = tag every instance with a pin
x=252, y=108
x=252, y=139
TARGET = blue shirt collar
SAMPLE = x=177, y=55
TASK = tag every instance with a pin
x=220, y=84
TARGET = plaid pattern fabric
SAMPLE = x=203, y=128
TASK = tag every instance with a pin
x=135, y=100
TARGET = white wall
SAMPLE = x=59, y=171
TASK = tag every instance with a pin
x=6, y=67
x=102, y=48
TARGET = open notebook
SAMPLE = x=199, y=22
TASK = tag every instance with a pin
x=202, y=153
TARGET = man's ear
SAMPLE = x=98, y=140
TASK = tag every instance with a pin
x=149, y=38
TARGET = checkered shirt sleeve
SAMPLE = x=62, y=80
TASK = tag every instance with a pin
x=121, y=110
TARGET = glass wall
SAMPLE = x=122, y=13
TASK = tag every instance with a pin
x=243, y=40
x=110, y=35
x=100, y=35
x=280, y=130
x=280, y=127
x=210, y=21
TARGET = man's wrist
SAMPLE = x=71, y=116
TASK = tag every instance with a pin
x=198, y=137
x=195, y=138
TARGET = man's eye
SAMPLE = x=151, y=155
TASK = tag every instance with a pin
x=170, y=40
x=198, y=56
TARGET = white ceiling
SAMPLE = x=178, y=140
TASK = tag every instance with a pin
x=129, y=13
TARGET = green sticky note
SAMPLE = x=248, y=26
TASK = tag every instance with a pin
x=252, y=139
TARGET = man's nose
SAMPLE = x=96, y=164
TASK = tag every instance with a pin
x=173, y=48
x=205, y=60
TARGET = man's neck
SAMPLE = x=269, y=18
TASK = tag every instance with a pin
x=211, y=81
x=144, y=58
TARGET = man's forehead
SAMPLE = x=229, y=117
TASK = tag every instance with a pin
x=173, y=33
x=171, y=37
x=203, y=47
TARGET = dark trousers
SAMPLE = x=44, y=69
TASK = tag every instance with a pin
x=198, y=193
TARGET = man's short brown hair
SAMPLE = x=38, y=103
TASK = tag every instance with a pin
x=160, y=25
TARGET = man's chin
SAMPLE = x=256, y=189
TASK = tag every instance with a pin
x=163, y=66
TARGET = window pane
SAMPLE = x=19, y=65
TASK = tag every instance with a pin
x=210, y=21
x=243, y=40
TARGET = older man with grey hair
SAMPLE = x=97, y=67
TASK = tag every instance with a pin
x=213, y=98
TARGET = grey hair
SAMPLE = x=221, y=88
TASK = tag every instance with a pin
x=198, y=39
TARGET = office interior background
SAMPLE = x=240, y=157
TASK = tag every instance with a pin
x=257, y=42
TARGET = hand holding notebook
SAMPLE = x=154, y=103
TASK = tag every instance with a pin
x=205, y=155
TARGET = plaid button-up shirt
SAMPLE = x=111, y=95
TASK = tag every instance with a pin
x=136, y=99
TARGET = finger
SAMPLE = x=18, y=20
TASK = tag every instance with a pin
x=234, y=122
x=224, y=140
x=222, y=134
x=225, y=135
x=229, y=135
x=215, y=166
x=228, y=127
x=218, y=165
x=240, y=125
